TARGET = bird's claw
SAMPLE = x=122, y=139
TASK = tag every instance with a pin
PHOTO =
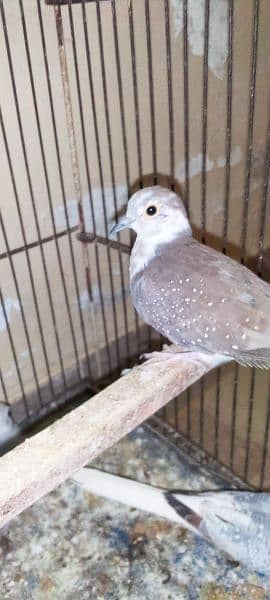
x=168, y=352
x=165, y=353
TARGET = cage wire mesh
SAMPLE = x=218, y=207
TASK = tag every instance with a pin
x=100, y=98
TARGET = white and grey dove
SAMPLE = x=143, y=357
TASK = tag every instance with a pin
x=236, y=522
x=198, y=298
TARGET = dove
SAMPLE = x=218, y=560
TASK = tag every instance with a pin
x=204, y=302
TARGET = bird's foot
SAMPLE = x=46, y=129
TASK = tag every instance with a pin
x=168, y=352
x=174, y=353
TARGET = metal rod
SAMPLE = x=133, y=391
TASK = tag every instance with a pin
x=11, y=263
x=252, y=95
x=29, y=181
x=94, y=112
x=204, y=156
x=234, y=415
x=187, y=187
x=63, y=193
x=186, y=100
x=75, y=166
x=111, y=160
x=227, y=189
x=228, y=142
x=170, y=90
x=151, y=89
x=31, y=245
x=137, y=119
x=264, y=201
x=44, y=263
x=135, y=91
x=205, y=117
x=127, y=169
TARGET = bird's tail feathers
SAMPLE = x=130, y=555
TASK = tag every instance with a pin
x=259, y=358
x=184, y=511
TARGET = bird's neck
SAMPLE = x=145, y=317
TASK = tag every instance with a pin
x=146, y=248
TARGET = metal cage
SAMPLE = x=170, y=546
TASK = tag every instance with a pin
x=100, y=98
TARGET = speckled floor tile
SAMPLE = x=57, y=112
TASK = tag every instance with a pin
x=73, y=546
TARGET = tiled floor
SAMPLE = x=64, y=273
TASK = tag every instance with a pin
x=72, y=545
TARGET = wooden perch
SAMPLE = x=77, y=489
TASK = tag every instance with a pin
x=45, y=460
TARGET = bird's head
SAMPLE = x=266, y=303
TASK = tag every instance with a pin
x=156, y=213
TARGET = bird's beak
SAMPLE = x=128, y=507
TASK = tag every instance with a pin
x=124, y=223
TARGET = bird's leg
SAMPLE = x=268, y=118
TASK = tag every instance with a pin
x=174, y=353
x=165, y=353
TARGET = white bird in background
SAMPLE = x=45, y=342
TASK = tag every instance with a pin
x=236, y=522
x=8, y=429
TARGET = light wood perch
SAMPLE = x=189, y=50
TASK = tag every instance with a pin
x=45, y=460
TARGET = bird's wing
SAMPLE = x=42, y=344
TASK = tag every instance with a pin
x=199, y=297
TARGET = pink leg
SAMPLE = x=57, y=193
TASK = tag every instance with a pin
x=164, y=354
x=176, y=353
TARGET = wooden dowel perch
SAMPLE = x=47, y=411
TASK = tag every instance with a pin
x=45, y=460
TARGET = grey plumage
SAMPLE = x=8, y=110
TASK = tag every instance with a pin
x=195, y=296
x=236, y=522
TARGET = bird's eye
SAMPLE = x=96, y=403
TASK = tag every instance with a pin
x=151, y=210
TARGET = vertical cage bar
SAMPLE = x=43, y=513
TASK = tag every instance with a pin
x=59, y=259
x=136, y=108
x=63, y=193
x=88, y=177
x=79, y=198
x=74, y=162
x=135, y=91
x=234, y=413
x=45, y=170
x=186, y=155
x=170, y=92
x=127, y=170
x=253, y=71
x=203, y=176
x=204, y=116
x=171, y=129
x=266, y=178
x=29, y=181
x=11, y=263
x=252, y=95
x=93, y=105
x=265, y=191
x=186, y=100
x=112, y=171
x=228, y=144
x=230, y=16
x=151, y=89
